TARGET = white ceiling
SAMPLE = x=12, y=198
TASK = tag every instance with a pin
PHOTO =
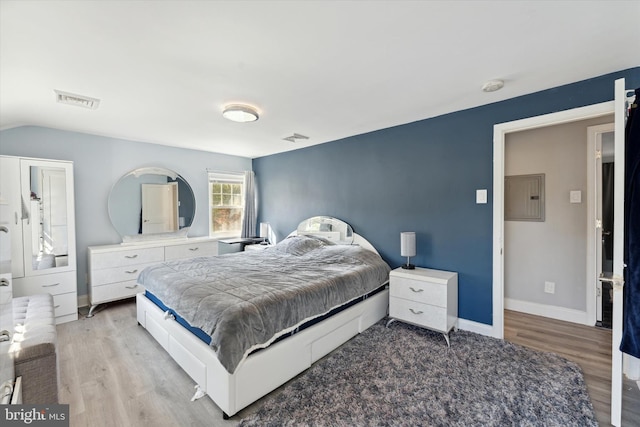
x=164, y=70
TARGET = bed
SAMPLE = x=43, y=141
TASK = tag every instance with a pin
x=243, y=324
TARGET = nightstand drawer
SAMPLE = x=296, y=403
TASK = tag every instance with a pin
x=419, y=291
x=420, y=314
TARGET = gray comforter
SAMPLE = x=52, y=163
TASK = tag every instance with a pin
x=245, y=300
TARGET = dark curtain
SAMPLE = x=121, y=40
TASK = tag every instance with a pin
x=631, y=321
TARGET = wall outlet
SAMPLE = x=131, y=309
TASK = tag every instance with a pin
x=550, y=287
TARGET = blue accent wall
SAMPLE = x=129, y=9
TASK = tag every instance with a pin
x=419, y=177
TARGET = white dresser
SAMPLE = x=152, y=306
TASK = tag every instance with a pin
x=424, y=297
x=114, y=269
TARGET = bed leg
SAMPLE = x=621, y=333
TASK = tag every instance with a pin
x=225, y=416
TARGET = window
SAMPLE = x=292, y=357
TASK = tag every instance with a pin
x=226, y=204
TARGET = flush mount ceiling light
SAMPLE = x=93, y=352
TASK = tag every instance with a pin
x=76, y=100
x=492, y=85
x=240, y=113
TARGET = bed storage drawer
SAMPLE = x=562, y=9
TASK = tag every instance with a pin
x=191, y=364
x=153, y=325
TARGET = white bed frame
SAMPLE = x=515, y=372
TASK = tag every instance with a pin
x=263, y=371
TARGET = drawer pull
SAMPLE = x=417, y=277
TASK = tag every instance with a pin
x=169, y=315
x=4, y=282
x=56, y=306
x=131, y=256
x=416, y=311
x=50, y=286
x=131, y=271
x=4, y=229
x=193, y=249
x=131, y=287
x=416, y=290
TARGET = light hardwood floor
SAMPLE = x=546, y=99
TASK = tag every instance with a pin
x=113, y=373
x=589, y=347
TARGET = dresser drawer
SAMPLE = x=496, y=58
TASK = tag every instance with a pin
x=114, y=291
x=100, y=260
x=191, y=250
x=65, y=304
x=6, y=289
x=420, y=314
x=118, y=274
x=54, y=284
x=419, y=291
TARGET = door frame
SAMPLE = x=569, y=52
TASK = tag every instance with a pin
x=500, y=132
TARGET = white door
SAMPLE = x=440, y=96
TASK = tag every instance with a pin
x=618, y=252
x=159, y=208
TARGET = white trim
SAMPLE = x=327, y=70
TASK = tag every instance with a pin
x=478, y=328
x=594, y=236
x=83, y=301
x=499, y=135
x=551, y=311
x=618, y=250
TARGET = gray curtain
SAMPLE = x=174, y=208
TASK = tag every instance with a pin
x=250, y=217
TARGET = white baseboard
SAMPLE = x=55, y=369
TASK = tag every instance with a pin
x=83, y=301
x=551, y=311
x=478, y=328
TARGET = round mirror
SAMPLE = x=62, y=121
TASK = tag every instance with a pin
x=327, y=227
x=150, y=203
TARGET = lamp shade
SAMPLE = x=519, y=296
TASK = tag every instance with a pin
x=264, y=229
x=408, y=243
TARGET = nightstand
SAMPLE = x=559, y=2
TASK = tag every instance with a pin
x=256, y=247
x=424, y=297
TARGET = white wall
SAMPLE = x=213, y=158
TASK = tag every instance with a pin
x=553, y=250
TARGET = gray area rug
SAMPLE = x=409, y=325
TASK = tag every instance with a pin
x=407, y=376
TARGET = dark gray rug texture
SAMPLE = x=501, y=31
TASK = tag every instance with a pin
x=407, y=376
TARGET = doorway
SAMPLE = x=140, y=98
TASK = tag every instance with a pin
x=500, y=133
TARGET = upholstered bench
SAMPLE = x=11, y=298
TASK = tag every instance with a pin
x=34, y=348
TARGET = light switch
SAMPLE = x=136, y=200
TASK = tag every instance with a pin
x=575, y=196
x=481, y=196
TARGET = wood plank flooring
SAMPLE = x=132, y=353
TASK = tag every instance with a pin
x=589, y=347
x=113, y=373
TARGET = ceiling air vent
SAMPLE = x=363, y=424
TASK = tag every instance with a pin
x=295, y=136
x=77, y=100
